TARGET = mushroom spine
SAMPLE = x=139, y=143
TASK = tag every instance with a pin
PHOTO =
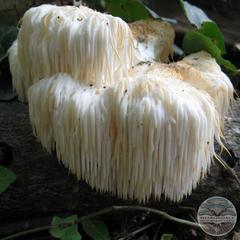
x=136, y=129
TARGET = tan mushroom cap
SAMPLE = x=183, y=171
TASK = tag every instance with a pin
x=153, y=39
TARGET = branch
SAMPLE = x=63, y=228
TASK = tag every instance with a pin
x=101, y=212
x=229, y=169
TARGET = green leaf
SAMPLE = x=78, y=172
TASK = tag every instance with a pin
x=8, y=34
x=211, y=30
x=95, y=229
x=167, y=236
x=227, y=64
x=195, y=15
x=65, y=232
x=7, y=177
x=195, y=41
x=128, y=10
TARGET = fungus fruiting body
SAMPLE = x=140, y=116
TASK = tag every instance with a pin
x=153, y=39
x=202, y=72
x=90, y=46
x=134, y=128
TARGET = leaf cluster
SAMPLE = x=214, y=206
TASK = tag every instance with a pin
x=67, y=228
x=7, y=177
x=205, y=35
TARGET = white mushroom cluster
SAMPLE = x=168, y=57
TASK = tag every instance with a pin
x=90, y=46
x=136, y=129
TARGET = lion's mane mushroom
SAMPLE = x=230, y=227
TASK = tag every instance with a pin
x=203, y=72
x=142, y=135
x=90, y=46
x=136, y=129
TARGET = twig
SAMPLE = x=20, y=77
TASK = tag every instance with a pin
x=138, y=231
x=4, y=56
x=193, y=210
x=158, y=228
x=27, y=232
x=101, y=212
x=189, y=208
x=230, y=170
x=159, y=212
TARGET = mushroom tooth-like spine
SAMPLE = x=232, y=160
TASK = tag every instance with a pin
x=74, y=120
x=212, y=81
x=168, y=161
x=203, y=72
x=16, y=72
x=138, y=138
x=92, y=47
x=45, y=106
x=151, y=131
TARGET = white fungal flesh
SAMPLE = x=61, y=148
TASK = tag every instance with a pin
x=203, y=72
x=91, y=46
x=18, y=79
x=134, y=129
x=130, y=138
x=153, y=39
